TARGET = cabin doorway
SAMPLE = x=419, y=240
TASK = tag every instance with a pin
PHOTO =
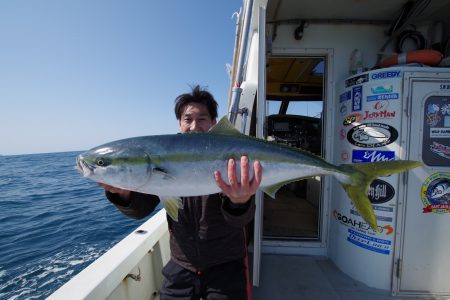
x=294, y=116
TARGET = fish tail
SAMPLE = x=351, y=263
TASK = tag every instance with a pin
x=362, y=174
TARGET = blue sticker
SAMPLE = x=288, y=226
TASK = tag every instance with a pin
x=357, y=98
x=367, y=242
x=359, y=156
x=383, y=97
x=385, y=75
x=345, y=96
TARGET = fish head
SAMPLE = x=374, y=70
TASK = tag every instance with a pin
x=117, y=165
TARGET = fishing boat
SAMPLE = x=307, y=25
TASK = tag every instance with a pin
x=352, y=81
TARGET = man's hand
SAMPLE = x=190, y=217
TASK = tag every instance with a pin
x=124, y=194
x=240, y=192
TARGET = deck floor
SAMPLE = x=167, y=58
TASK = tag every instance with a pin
x=290, y=277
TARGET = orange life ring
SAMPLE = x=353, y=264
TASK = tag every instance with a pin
x=426, y=56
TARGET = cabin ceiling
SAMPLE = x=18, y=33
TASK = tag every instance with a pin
x=294, y=78
x=370, y=10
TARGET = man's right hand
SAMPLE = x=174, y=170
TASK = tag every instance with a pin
x=124, y=194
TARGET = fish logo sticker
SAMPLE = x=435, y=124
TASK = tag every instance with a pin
x=372, y=135
x=436, y=193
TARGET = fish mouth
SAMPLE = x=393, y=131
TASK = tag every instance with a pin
x=83, y=167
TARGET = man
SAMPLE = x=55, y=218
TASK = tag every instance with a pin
x=208, y=243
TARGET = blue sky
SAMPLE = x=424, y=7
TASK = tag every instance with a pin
x=77, y=74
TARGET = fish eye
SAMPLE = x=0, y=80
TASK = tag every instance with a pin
x=100, y=162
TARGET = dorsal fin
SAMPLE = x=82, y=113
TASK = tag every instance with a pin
x=224, y=127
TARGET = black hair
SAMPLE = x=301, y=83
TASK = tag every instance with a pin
x=197, y=95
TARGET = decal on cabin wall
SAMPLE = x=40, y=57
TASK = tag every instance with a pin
x=441, y=150
x=369, y=242
x=361, y=226
x=372, y=135
x=377, y=208
x=436, y=131
x=344, y=155
x=381, y=105
x=342, y=134
x=386, y=75
x=353, y=118
x=382, y=89
x=377, y=115
x=345, y=96
x=357, y=98
x=359, y=156
x=392, y=96
x=343, y=109
x=356, y=80
x=435, y=193
x=380, y=191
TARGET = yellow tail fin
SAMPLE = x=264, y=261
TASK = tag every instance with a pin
x=362, y=174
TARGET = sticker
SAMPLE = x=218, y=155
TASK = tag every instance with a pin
x=353, y=118
x=443, y=133
x=361, y=226
x=357, y=98
x=342, y=134
x=382, y=89
x=385, y=75
x=345, y=96
x=356, y=80
x=379, y=218
x=433, y=119
x=368, y=242
x=343, y=109
x=392, y=96
x=380, y=191
x=436, y=131
x=372, y=135
x=436, y=193
x=359, y=156
x=441, y=150
x=349, y=221
x=380, y=105
x=374, y=115
x=344, y=156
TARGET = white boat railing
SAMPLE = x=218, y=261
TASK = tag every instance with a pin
x=129, y=270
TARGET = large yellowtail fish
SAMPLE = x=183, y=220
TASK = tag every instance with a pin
x=176, y=165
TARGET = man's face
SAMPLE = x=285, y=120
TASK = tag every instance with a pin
x=196, y=118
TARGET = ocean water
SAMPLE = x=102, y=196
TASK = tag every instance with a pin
x=53, y=223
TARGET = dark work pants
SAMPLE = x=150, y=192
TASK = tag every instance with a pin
x=225, y=281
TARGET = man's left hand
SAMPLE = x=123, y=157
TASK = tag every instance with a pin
x=240, y=192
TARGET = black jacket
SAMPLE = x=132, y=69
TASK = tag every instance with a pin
x=210, y=229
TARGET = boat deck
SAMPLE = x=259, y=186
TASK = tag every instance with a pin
x=290, y=277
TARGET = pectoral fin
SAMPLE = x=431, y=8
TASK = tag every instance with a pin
x=172, y=205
